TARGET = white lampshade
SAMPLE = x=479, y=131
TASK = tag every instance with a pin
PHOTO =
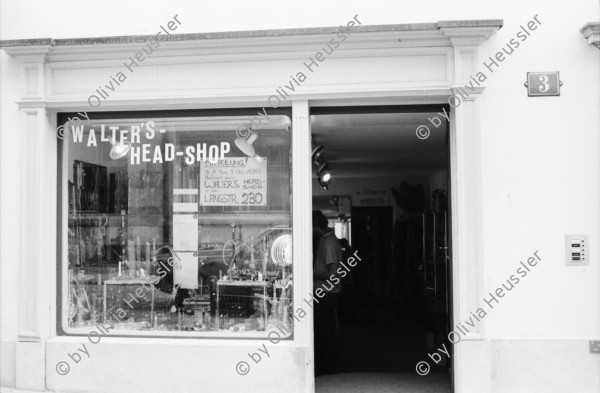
x=245, y=145
x=119, y=149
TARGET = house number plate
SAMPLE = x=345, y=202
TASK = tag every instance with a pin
x=543, y=84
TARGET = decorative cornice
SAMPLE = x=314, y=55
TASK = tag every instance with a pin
x=151, y=100
x=591, y=32
x=472, y=35
x=32, y=105
x=442, y=33
x=132, y=39
x=36, y=53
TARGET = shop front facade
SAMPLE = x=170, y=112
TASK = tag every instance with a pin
x=183, y=183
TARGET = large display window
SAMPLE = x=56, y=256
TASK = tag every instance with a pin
x=176, y=226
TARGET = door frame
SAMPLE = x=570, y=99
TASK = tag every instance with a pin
x=465, y=219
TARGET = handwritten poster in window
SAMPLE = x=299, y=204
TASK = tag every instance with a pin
x=234, y=181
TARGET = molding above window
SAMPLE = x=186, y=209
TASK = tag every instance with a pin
x=259, y=44
x=246, y=68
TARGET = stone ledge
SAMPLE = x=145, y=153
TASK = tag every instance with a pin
x=129, y=39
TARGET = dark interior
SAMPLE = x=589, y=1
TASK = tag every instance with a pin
x=395, y=304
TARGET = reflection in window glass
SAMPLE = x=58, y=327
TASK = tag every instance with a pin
x=178, y=225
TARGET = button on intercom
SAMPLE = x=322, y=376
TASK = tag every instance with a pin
x=576, y=247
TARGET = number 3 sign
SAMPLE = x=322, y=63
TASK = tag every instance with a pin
x=543, y=84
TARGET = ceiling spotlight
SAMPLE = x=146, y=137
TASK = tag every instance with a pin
x=245, y=145
x=324, y=176
x=325, y=182
x=316, y=154
x=119, y=149
x=322, y=168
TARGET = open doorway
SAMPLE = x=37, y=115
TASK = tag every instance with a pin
x=384, y=188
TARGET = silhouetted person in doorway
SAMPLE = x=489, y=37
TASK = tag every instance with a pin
x=327, y=288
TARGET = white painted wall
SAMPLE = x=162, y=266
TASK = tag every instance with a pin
x=540, y=168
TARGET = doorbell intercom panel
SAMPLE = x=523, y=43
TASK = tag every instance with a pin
x=576, y=247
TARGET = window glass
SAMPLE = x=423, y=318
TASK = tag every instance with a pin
x=177, y=226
